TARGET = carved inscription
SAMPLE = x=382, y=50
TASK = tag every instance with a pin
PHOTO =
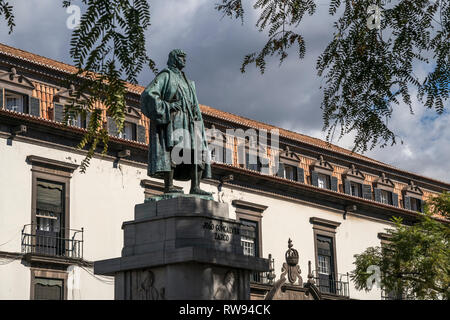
x=222, y=232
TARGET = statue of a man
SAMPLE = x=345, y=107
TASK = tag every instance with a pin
x=176, y=128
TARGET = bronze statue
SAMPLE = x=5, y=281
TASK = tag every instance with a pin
x=176, y=128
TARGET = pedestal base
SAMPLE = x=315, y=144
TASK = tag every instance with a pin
x=182, y=248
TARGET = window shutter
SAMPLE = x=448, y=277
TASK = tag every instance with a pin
x=421, y=205
x=367, y=191
x=377, y=195
x=112, y=127
x=1, y=98
x=58, y=113
x=141, y=134
x=347, y=187
x=314, y=178
x=35, y=109
x=394, y=199
x=280, y=172
x=300, y=175
x=228, y=156
x=407, y=202
x=334, y=183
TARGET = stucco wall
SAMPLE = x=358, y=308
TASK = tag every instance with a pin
x=104, y=197
x=288, y=219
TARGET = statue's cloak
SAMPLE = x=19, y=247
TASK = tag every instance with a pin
x=171, y=86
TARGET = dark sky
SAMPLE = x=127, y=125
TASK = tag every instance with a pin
x=288, y=96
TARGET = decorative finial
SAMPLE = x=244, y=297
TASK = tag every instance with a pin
x=310, y=274
x=291, y=266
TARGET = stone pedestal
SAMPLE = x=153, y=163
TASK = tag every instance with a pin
x=182, y=248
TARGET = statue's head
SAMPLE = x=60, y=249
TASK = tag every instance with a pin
x=177, y=59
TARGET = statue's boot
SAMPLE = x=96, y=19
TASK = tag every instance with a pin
x=168, y=183
x=195, y=182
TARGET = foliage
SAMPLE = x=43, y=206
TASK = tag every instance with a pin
x=367, y=72
x=7, y=10
x=108, y=44
x=415, y=264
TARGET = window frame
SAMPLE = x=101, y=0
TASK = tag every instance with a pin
x=52, y=171
x=325, y=228
x=388, y=194
x=358, y=185
x=25, y=100
x=133, y=133
x=49, y=274
x=327, y=181
x=251, y=212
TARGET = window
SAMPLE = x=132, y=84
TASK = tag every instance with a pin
x=250, y=244
x=416, y=204
x=355, y=189
x=49, y=231
x=323, y=181
x=326, y=263
x=250, y=215
x=385, y=197
x=384, y=191
x=16, y=102
x=129, y=131
x=73, y=120
x=290, y=172
x=49, y=218
x=48, y=289
x=325, y=273
x=48, y=284
x=252, y=161
x=221, y=154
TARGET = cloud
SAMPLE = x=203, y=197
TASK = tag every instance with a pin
x=288, y=96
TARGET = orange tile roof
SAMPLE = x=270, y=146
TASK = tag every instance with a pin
x=137, y=89
x=50, y=63
x=284, y=133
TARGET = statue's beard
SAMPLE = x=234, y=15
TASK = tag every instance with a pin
x=180, y=65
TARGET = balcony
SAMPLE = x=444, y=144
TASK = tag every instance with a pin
x=66, y=243
x=265, y=277
x=336, y=284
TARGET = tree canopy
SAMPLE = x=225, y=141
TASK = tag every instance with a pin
x=367, y=71
x=415, y=262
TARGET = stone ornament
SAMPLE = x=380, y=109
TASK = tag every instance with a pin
x=146, y=289
x=291, y=266
x=226, y=288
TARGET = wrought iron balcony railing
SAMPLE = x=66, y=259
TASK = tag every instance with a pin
x=337, y=284
x=66, y=243
x=265, y=277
